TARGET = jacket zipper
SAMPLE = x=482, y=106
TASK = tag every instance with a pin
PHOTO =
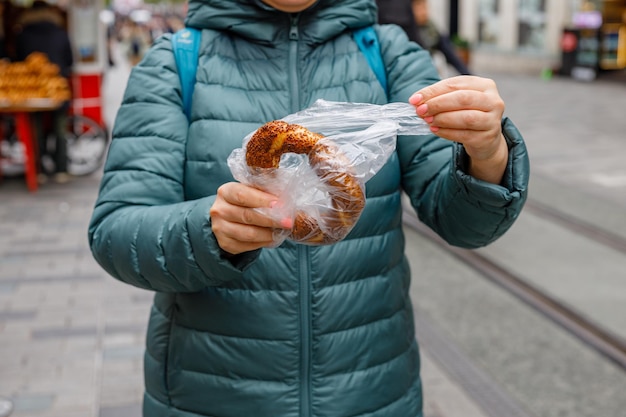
x=303, y=252
x=294, y=80
x=305, y=331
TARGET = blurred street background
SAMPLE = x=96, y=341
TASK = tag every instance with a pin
x=532, y=326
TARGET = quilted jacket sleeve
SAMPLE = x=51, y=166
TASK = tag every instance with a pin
x=142, y=230
x=463, y=210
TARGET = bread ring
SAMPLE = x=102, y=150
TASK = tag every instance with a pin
x=273, y=139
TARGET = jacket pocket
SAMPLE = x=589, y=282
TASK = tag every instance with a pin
x=158, y=348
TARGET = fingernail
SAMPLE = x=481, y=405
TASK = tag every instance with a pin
x=273, y=203
x=416, y=98
x=422, y=109
x=429, y=119
x=287, y=223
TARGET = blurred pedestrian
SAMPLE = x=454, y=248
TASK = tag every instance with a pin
x=242, y=325
x=109, y=44
x=137, y=41
x=432, y=39
x=43, y=31
x=398, y=12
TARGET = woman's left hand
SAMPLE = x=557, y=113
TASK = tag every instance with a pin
x=468, y=110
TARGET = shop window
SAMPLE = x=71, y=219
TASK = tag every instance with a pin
x=532, y=24
x=489, y=22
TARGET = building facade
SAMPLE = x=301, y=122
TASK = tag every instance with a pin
x=528, y=35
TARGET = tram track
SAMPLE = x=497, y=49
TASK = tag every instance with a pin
x=607, y=344
x=602, y=236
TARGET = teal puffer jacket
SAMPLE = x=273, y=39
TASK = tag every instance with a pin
x=293, y=331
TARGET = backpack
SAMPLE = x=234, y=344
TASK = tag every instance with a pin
x=186, y=45
x=135, y=47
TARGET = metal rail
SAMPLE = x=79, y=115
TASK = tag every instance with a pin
x=588, y=230
x=607, y=344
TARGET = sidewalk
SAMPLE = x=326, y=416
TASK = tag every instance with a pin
x=71, y=338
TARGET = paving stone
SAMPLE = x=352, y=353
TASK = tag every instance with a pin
x=116, y=396
x=123, y=352
x=75, y=400
x=64, y=332
x=18, y=315
x=133, y=410
x=122, y=340
x=7, y=288
x=62, y=412
x=14, y=333
x=122, y=369
x=32, y=402
x=111, y=329
x=77, y=345
x=443, y=398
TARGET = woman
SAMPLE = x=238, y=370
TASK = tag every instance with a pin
x=430, y=38
x=240, y=327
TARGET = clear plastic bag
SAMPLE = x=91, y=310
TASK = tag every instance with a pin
x=317, y=193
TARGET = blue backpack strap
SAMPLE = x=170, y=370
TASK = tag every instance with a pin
x=367, y=40
x=186, y=44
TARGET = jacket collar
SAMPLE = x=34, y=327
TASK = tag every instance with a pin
x=256, y=21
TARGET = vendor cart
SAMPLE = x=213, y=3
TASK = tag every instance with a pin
x=23, y=91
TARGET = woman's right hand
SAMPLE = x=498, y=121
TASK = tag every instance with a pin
x=237, y=226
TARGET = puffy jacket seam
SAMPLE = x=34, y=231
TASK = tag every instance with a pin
x=165, y=363
x=384, y=195
x=164, y=269
x=230, y=336
x=510, y=186
x=187, y=237
x=123, y=136
x=131, y=102
x=109, y=254
x=168, y=354
x=501, y=224
x=243, y=89
x=135, y=255
x=237, y=377
x=252, y=291
x=151, y=354
x=143, y=170
x=452, y=198
x=363, y=278
x=370, y=367
x=156, y=308
x=381, y=234
x=277, y=90
x=162, y=249
x=395, y=400
x=173, y=407
x=400, y=310
x=216, y=119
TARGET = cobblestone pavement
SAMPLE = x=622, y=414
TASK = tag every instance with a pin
x=71, y=338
